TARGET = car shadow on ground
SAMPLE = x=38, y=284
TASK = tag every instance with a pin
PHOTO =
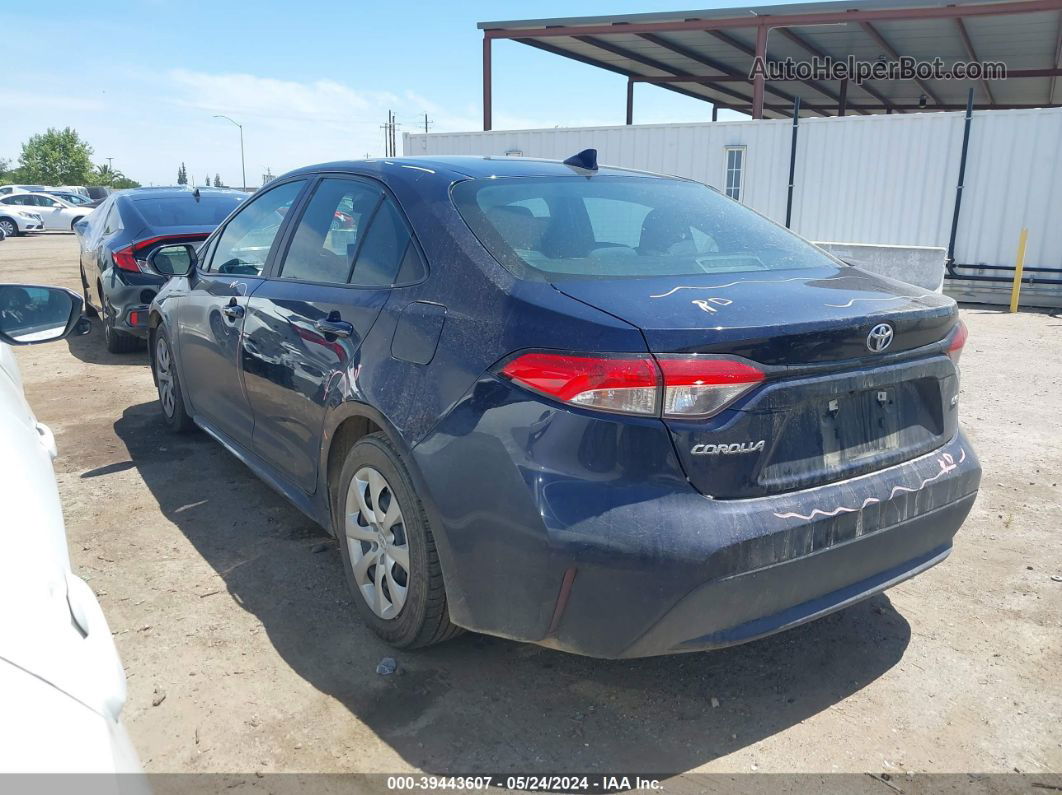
x=485, y=704
x=90, y=349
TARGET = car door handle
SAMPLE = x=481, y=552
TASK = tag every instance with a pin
x=233, y=311
x=337, y=328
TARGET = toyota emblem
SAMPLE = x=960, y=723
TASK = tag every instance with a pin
x=879, y=338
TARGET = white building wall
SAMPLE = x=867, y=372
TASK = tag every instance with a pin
x=886, y=179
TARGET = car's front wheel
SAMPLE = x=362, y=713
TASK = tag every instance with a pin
x=388, y=549
x=171, y=400
x=10, y=227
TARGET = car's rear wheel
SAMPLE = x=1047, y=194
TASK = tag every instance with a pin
x=116, y=341
x=388, y=549
x=171, y=400
x=10, y=227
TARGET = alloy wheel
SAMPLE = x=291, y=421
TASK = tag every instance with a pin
x=9, y=228
x=164, y=374
x=376, y=541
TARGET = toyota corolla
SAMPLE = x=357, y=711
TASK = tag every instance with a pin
x=605, y=411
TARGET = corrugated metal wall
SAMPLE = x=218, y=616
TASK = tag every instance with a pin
x=859, y=179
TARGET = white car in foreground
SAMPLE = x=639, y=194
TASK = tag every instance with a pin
x=19, y=220
x=62, y=686
x=57, y=214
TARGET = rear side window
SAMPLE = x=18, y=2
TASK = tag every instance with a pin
x=163, y=211
x=326, y=241
x=609, y=226
x=113, y=222
x=388, y=251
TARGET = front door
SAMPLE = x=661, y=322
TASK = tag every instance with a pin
x=305, y=327
x=212, y=313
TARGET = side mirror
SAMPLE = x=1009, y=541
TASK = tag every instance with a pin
x=175, y=260
x=30, y=314
x=81, y=226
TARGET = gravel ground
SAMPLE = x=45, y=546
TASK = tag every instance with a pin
x=243, y=652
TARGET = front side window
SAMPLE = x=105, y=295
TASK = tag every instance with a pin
x=609, y=226
x=735, y=171
x=326, y=241
x=17, y=199
x=244, y=245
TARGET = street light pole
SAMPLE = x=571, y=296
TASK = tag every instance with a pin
x=243, y=168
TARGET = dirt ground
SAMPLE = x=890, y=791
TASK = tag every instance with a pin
x=244, y=654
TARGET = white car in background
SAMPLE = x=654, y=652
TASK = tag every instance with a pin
x=6, y=189
x=62, y=686
x=15, y=220
x=57, y=214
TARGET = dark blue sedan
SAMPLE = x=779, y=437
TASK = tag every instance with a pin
x=116, y=240
x=608, y=412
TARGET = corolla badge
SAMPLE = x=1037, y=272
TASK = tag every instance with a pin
x=879, y=338
x=728, y=449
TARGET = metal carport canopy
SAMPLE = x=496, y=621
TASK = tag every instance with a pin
x=709, y=54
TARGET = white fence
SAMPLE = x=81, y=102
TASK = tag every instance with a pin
x=861, y=179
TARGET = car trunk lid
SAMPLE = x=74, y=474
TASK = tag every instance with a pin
x=831, y=407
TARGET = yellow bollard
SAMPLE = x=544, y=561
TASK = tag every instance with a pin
x=1023, y=238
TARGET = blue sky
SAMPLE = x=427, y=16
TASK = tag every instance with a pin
x=310, y=81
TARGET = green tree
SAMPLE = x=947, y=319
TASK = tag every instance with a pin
x=217, y=180
x=206, y=182
x=111, y=178
x=182, y=175
x=56, y=157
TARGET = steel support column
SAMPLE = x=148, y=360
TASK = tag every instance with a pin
x=758, y=83
x=962, y=180
x=842, y=104
x=630, y=101
x=486, y=83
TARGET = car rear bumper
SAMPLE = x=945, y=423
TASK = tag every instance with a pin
x=612, y=568
x=131, y=294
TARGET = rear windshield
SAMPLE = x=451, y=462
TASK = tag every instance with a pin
x=624, y=226
x=162, y=211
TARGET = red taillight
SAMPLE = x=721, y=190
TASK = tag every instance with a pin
x=124, y=259
x=958, y=340
x=701, y=386
x=693, y=386
x=627, y=384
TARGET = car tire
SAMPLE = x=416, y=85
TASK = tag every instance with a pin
x=394, y=547
x=168, y=383
x=10, y=227
x=114, y=340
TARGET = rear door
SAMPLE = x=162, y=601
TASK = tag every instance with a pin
x=211, y=314
x=305, y=327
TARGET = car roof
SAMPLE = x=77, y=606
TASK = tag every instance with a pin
x=466, y=167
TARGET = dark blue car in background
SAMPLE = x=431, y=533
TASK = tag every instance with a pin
x=605, y=411
x=116, y=239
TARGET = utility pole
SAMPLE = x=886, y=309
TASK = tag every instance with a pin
x=387, y=134
x=426, y=123
x=243, y=168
